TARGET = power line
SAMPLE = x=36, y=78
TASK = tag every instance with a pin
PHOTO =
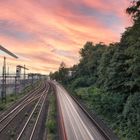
x=3, y=92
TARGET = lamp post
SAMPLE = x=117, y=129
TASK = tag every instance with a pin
x=3, y=92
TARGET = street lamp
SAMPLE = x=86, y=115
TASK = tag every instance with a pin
x=3, y=92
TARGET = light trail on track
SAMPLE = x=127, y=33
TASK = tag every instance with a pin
x=77, y=124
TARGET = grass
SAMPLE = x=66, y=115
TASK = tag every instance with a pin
x=12, y=98
x=51, y=123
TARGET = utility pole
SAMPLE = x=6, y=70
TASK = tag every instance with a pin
x=24, y=75
x=3, y=92
x=19, y=72
x=16, y=86
x=17, y=77
x=33, y=77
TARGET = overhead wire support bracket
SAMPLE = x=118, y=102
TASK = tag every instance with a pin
x=3, y=92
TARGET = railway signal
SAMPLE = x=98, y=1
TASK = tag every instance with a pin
x=18, y=70
x=18, y=74
x=3, y=92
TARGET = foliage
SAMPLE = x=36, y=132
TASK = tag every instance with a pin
x=107, y=79
x=134, y=10
x=62, y=74
x=51, y=124
x=131, y=114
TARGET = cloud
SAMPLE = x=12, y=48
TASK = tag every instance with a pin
x=48, y=32
x=7, y=28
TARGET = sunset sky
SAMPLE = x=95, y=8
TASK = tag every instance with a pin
x=45, y=32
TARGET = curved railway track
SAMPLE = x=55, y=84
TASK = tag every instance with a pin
x=25, y=101
x=37, y=109
x=34, y=103
x=21, y=101
x=75, y=121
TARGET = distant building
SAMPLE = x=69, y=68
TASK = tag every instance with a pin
x=70, y=73
x=37, y=76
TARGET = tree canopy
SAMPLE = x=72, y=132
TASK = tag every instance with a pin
x=108, y=78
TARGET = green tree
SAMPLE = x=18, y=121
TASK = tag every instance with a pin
x=104, y=64
x=117, y=72
x=134, y=10
x=63, y=73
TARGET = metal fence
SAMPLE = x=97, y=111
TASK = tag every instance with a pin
x=15, y=85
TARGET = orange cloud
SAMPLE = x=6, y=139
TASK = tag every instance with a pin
x=48, y=32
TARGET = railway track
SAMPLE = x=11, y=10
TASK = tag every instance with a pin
x=29, y=126
x=75, y=121
x=22, y=100
x=30, y=104
x=104, y=131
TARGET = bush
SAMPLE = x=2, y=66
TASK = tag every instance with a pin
x=51, y=126
x=80, y=82
x=131, y=116
x=2, y=107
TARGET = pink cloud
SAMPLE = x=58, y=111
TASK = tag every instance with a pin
x=62, y=26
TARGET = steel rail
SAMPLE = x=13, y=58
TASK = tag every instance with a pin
x=62, y=130
x=106, y=135
x=102, y=131
x=27, y=122
x=17, y=112
x=31, y=94
x=23, y=98
x=37, y=120
x=18, y=107
x=14, y=115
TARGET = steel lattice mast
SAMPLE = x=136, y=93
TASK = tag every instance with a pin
x=3, y=92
